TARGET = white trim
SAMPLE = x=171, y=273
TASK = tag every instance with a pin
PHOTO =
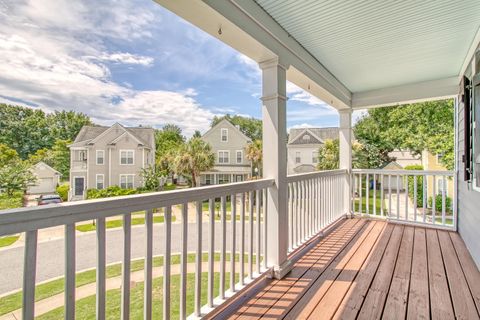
x=78, y=148
x=221, y=134
x=103, y=157
x=236, y=156
x=120, y=157
x=232, y=126
x=114, y=141
x=92, y=141
x=218, y=156
x=470, y=55
x=96, y=180
x=126, y=181
x=309, y=132
x=73, y=188
x=109, y=167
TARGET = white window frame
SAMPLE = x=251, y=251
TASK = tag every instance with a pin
x=298, y=157
x=209, y=179
x=96, y=181
x=120, y=157
x=228, y=156
x=314, y=156
x=126, y=181
x=438, y=187
x=223, y=178
x=222, y=130
x=241, y=156
x=103, y=157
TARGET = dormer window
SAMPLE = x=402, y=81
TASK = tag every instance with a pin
x=224, y=134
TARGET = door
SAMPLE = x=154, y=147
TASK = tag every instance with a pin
x=238, y=178
x=79, y=184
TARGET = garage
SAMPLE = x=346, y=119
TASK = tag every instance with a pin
x=47, y=179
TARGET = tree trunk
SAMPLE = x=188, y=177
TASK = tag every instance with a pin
x=194, y=179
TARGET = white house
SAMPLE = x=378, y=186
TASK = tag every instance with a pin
x=47, y=179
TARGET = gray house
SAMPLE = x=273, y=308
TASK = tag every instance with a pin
x=228, y=144
x=303, y=145
x=105, y=156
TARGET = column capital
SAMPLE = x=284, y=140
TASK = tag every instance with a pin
x=274, y=97
x=273, y=62
x=345, y=111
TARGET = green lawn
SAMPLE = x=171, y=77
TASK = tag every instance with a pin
x=85, y=308
x=118, y=223
x=8, y=240
x=371, y=203
x=7, y=202
x=14, y=301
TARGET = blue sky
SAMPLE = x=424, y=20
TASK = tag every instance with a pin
x=133, y=62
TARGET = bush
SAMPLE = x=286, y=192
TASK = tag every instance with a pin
x=112, y=191
x=169, y=186
x=438, y=203
x=411, y=185
x=62, y=191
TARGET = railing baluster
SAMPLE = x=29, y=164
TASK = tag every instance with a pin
x=70, y=271
x=233, y=249
x=147, y=309
x=127, y=241
x=398, y=197
x=242, y=238
x=211, y=250
x=259, y=228
x=444, y=204
x=251, y=235
x=101, y=265
x=406, y=198
x=223, y=246
x=290, y=215
x=415, y=196
x=29, y=275
x=434, y=199
x=424, y=196
x=382, y=195
x=367, y=191
x=167, y=262
x=183, y=265
x=374, y=195
x=265, y=228
x=198, y=260
x=390, y=195
x=360, y=195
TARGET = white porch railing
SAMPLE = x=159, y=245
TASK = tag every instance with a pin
x=315, y=201
x=249, y=245
x=408, y=196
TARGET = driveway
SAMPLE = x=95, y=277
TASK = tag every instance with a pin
x=50, y=254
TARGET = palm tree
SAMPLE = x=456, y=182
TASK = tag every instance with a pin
x=194, y=157
x=254, y=153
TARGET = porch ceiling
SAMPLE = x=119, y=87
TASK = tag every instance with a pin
x=370, y=45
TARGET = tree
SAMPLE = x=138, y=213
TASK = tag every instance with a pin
x=65, y=125
x=197, y=134
x=167, y=140
x=16, y=176
x=328, y=155
x=58, y=157
x=153, y=180
x=254, y=153
x=7, y=154
x=250, y=127
x=194, y=157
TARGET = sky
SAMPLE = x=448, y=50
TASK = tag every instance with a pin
x=132, y=62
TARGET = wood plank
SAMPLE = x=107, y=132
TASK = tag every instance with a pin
x=440, y=303
x=328, y=305
x=469, y=267
x=258, y=305
x=396, y=304
x=353, y=300
x=463, y=304
x=373, y=306
x=305, y=306
x=418, y=298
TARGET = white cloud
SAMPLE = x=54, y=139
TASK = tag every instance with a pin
x=358, y=114
x=296, y=93
x=300, y=126
x=127, y=58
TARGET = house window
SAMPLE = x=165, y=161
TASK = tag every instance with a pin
x=224, y=134
x=126, y=181
x=442, y=185
x=306, y=137
x=100, y=183
x=239, y=156
x=126, y=157
x=297, y=157
x=315, y=157
x=439, y=158
x=223, y=178
x=100, y=157
x=82, y=156
x=223, y=156
x=209, y=179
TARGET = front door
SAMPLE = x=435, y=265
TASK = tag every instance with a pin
x=79, y=184
x=238, y=178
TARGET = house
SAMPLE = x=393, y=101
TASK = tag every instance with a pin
x=228, y=144
x=402, y=159
x=432, y=162
x=47, y=179
x=303, y=145
x=106, y=156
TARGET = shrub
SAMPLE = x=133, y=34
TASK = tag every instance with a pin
x=112, y=191
x=411, y=185
x=438, y=203
x=62, y=191
x=169, y=186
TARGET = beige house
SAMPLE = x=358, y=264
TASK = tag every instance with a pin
x=303, y=145
x=105, y=156
x=47, y=179
x=228, y=143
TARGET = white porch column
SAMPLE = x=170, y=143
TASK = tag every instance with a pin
x=275, y=163
x=345, y=136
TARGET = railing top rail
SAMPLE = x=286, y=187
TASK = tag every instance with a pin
x=315, y=174
x=406, y=172
x=32, y=218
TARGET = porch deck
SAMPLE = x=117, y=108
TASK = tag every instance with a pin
x=369, y=269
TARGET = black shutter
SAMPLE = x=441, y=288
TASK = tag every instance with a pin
x=468, y=128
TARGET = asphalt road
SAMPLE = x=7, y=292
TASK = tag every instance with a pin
x=50, y=254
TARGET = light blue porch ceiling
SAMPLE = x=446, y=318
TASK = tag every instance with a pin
x=374, y=44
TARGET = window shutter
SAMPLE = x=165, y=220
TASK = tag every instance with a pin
x=467, y=118
x=475, y=110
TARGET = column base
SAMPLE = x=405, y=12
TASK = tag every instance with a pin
x=278, y=272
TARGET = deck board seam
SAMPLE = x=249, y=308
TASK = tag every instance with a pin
x=446, y=274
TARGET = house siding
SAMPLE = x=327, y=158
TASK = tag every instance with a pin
x=468, y=199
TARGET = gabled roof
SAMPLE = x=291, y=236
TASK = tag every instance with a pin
x=91, y=134
x=319, y=135
x=41, y=163
x=224, y=122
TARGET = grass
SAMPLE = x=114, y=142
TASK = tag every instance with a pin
x=7, y=202
x=378, y=202
x=8, y=240
x=13, y=301
x=109, y=224
x=85, y=308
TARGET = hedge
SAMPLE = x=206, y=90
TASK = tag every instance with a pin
x=411, y=185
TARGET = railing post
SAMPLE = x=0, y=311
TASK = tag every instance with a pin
x=275, y=163
x=345, y=139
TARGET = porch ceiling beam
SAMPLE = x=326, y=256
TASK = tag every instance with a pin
x=249, y=29
x=468, y=58
x=409, y=93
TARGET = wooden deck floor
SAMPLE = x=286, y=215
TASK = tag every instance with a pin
x=368, y=269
